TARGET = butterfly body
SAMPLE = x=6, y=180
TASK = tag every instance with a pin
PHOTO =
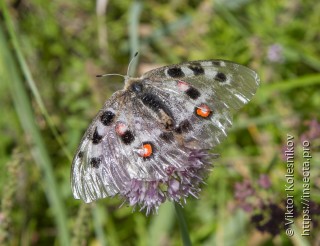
x=151, y=130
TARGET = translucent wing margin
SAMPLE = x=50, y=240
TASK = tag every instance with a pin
x=224, y=86
x=228, y=80
x=94, y=172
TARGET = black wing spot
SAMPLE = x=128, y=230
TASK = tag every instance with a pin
x=221, y=77
x=107, y=118
x=96, y=138
x=193, y=93
x=175, y=72
x=95, y=162
x=127, y=137
x=196, y=69
x=183, y=127
x=216, y=63
x=80, y=154
x=167, y=137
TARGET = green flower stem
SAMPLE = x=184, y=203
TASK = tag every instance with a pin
x=183, y=225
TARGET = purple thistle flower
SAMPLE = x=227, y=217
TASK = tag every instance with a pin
x=177, y=186
x=313, y=131
x=275, y=53
x=243, y=190
x=264, y=181
x=247, y=207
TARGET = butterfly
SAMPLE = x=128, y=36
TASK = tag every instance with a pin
x=150, y=141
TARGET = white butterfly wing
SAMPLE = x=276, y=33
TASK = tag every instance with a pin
x=109, y=154
x=107, y=160
x=221, y=85
x=89, y=181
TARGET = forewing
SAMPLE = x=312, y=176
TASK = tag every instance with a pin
x=96, y=172
x=221, y=85
x=108, y=158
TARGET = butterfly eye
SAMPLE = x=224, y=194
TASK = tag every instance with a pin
x=137, y=87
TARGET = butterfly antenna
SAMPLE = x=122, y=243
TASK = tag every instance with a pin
x=135, y=55
x=116, y=74
x=110, y=74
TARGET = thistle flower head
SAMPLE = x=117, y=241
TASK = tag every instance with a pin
x=176, y=186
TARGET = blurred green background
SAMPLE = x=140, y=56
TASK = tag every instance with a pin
x=50, y=52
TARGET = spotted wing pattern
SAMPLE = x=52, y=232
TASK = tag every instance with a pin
x=142, y=133
x=221, y=85
x=106, y=161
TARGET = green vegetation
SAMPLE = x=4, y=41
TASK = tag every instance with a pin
x=50, y=52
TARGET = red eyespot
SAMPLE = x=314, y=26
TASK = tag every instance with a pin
x=146, y=150
x=203, y=111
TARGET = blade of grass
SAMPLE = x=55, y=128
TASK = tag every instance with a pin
x=10, y=190
x=168, y=29
x=9, y=74
x=260, y=120
x=81, y=230
x=287, y=85
x=102, y=31
x=231, y=230
x=183, y=225
x=27, y=74
x=135, y=12
x=98, y=224
x=161, y=225
x=232, y=20
x=305, y=56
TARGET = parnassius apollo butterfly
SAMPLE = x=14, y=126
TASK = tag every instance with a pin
x=150, y=134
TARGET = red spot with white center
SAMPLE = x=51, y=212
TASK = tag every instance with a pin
x=146, y=150
x=121, y=128
x=183, y=86
x=203, y=111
